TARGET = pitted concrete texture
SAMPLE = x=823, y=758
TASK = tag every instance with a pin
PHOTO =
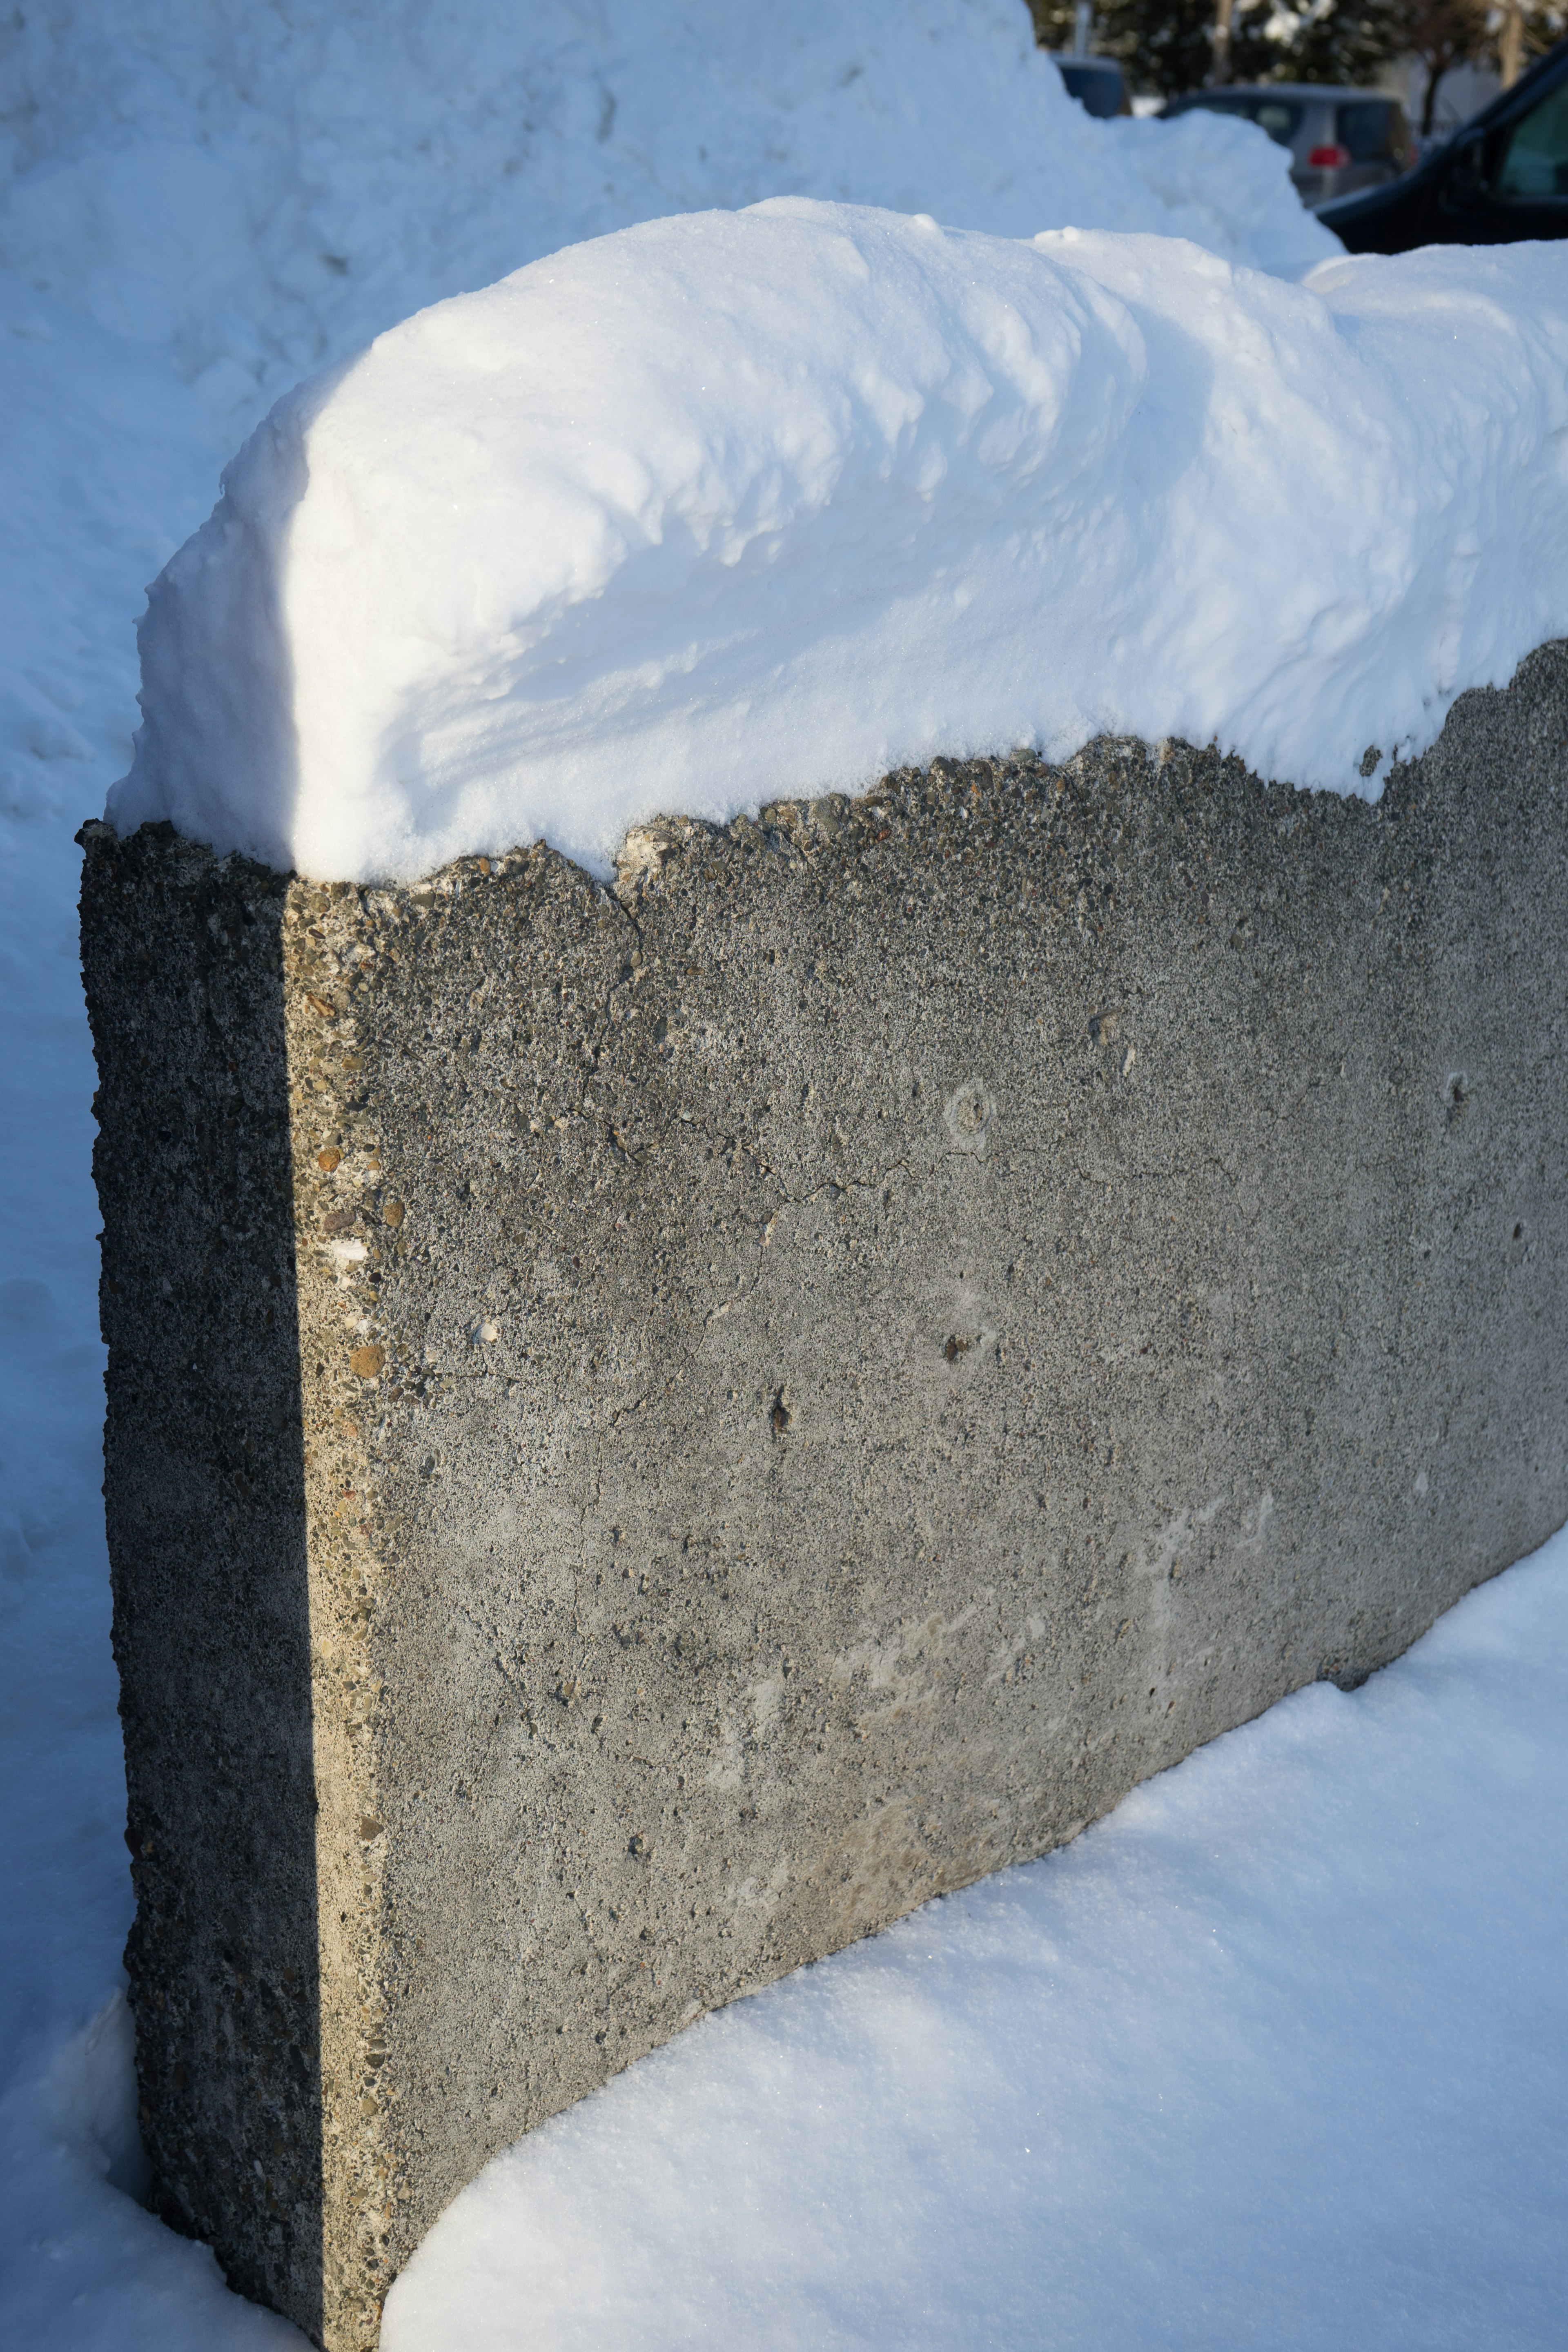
x=651, y=1430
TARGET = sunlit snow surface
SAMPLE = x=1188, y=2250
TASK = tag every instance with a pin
x=739, y=505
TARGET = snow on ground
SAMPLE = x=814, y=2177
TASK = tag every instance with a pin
x=258, y=186
x=737, y=505
x=107, y=462
x=103, y=460
x=206, y=202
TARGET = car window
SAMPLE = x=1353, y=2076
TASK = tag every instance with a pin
x=1097, y=89
x=1372, y=130
x=1277, y=116
x=1280, y=120
x=1534, y=168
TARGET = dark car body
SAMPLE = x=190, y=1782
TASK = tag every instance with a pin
x=1340, y=141
x=1099, y=84
x=1501, y=178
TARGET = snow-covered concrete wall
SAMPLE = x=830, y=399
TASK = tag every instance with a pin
x=652, y=1428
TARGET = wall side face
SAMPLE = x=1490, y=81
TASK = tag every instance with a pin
x=906, y=1324
x=822, y=1368
x=203, y=1488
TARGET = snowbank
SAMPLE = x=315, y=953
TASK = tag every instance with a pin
x=261, y=190
x=730, y=506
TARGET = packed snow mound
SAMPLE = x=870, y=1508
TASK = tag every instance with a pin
x=733, y=505
x=264, y=188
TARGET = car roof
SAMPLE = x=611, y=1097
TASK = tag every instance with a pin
x=1065, y=57
x=1284, y=89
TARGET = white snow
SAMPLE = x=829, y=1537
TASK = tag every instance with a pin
x=730, y=506
x=257, y=189
x=105, y=459
x=179, y=179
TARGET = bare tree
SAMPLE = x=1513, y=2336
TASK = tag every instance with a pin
x=1441, y=35
x=1169, y=46
x=1220, y=71
x=1511, y=43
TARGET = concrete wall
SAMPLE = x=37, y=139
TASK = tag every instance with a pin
x=651, y=1431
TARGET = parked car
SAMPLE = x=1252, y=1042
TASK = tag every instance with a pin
x=1099, y=84
x=1499, y=179
x=1340, y=141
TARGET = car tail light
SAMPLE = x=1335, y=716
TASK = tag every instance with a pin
x=1328, y=159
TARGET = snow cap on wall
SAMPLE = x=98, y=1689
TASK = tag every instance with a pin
x=731, y=506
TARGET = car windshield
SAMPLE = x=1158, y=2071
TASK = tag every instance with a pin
x=1098, y=89
x=1372, y=130
x=1535, y=168
x=1278, y=116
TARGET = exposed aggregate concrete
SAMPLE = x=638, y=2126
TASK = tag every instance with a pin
x=652, y=1429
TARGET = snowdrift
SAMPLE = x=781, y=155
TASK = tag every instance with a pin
x=263, y=189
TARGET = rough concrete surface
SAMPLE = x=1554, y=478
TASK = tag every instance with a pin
x=651, y=1430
